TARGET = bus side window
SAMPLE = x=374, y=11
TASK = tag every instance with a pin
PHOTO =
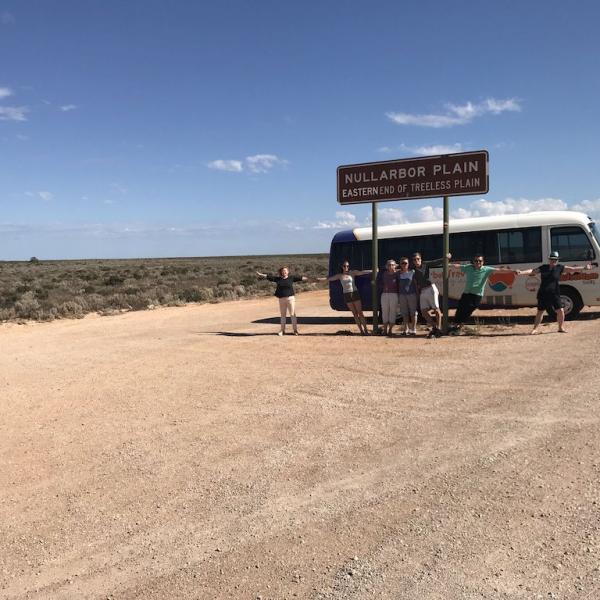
x=464, y=246
x=572, y=243
x=520, y=245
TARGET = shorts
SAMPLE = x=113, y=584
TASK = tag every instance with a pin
x=351, y=296
x=408, y=305
x=389, y=307
x=430, y=298
x=549, y=302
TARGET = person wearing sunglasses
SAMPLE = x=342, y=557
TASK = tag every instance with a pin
x=477, y=276
x=407, y=298
x=548, y=295
x=428, y=293
x=351, y=296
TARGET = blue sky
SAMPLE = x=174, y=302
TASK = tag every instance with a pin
x=153, y=128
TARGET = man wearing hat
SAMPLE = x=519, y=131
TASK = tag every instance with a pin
x=548, y=295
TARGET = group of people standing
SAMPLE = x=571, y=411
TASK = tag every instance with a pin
x=406, y=288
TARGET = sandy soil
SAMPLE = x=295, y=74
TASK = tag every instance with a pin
x=191, y=453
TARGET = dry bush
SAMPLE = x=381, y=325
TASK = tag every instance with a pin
x=53, y=289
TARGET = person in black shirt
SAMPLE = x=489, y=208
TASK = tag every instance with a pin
x=285, y=292
x=548, y=295
x=428, y=293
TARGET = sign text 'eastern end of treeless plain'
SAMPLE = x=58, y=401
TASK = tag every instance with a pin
x=413, y=178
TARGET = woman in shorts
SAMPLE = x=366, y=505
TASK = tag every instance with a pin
x=351, y=295
x=548, y=295
x=285, y=293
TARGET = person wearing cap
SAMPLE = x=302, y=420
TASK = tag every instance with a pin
x=477, y=276
x=548, y=295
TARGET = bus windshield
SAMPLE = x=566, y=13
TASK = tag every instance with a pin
x=595, y=232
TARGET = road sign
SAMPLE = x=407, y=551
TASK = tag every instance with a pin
x=459, y=174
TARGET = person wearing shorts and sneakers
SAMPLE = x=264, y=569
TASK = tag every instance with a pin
x=407, y=298
x=477, y=275
x=548, y=295
x=428, y=293
x=285, y=293
x=351, y=295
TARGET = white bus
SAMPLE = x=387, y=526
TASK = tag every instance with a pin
x=519, y=241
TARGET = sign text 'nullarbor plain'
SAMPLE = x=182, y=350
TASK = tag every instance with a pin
x=412, y=178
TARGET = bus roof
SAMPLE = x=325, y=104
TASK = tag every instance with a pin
x=532, y=219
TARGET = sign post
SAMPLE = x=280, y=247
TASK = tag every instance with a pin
x=461, y=174
x=446, y=250
x=374, y=263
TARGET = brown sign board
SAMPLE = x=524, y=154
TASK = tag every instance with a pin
x=458, y=174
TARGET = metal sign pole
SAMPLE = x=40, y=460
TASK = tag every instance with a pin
x=446, y=233
x=374, y=263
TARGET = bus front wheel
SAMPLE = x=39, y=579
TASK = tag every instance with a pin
x=572, y=301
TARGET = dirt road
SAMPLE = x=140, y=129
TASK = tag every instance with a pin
x=191, y=453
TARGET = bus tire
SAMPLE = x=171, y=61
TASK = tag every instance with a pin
x=572, y=301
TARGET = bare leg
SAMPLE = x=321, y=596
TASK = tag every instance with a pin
x=428, y=319
x=560, y=317
x=351, y=306
x=361, y=317
x=537, y=321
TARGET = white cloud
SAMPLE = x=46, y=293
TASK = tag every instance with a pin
x=391, y=216
x=590, y=207
x=13, y=113
x=263, y=163
x=118, y=188
x=233, y=166
x=509, y=206
x=429, y=213
x=258, y=163
x=343, y=220
x=68, y=107
x=5, y=92
x=45, y=196
x=456, y=114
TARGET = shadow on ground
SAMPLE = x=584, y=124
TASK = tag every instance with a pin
x=481, y=319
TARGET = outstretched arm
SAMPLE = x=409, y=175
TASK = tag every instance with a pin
x=576, y=268
x=437, y=262
x=527, y=272
x=359, y=273
x=261, y=275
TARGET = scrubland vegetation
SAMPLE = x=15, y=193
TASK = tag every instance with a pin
x=46, y=290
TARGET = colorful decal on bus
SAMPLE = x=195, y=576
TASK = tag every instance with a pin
x=501, y=280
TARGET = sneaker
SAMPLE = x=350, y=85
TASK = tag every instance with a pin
x=437, y=332
x=280, y=333
x=296, y=332
x=411, y=333
x=432, y=335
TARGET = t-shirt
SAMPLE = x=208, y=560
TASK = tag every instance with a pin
x=422, y=273
x=390, y=282
x=476, y=278
x=285, y=287
x=550, y=279
x=406, y=283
